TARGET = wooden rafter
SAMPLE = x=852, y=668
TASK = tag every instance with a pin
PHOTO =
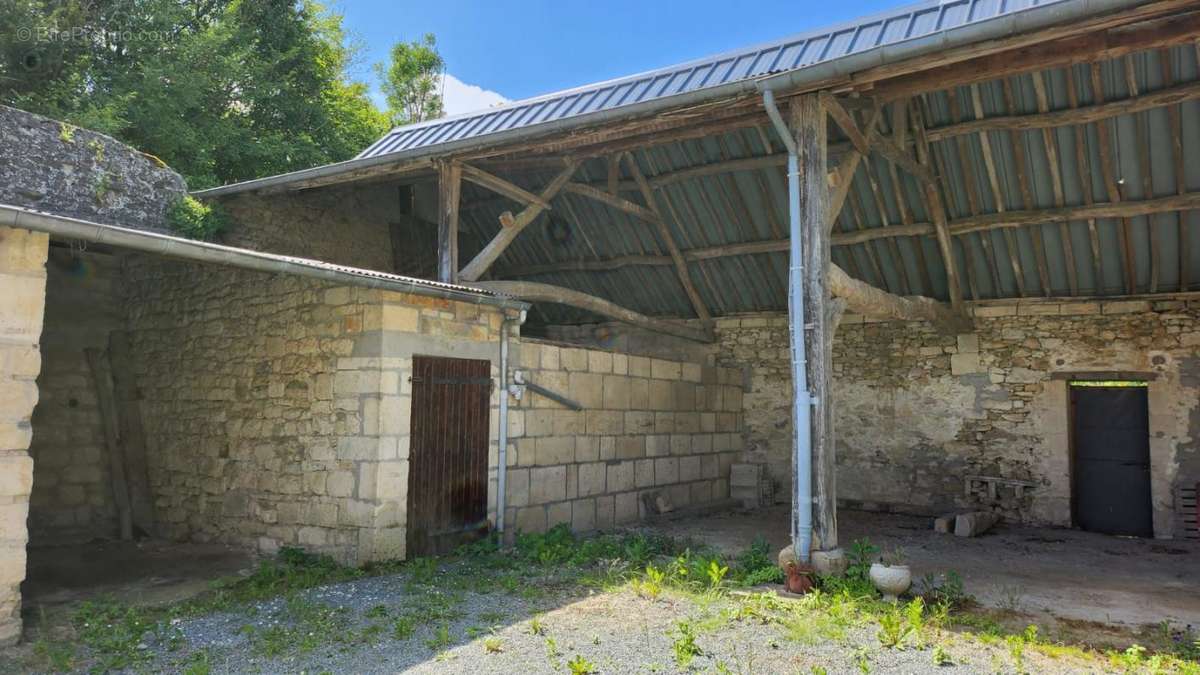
x=1104, y=142
x=1020, y=167
x=535, y=292
x=1083, y=166
x=1047, y=119
x=618, y=203
x=500, y=186
x=937, y=212
x=1142, y=142
x=1188, y=201
x=508, y=233
x=1157, y=25
x=998, y=201
x=664, y=232
x=1050, y=144
x=1174, y=118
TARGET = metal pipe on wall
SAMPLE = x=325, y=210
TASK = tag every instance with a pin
x=502, y=440
x=802, y=497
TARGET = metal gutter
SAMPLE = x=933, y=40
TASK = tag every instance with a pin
x=1032, y=18
x=502, y=433
x=201, y=251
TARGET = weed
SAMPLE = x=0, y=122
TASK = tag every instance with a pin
x=113, y=632
x=652, y=585
x=1016, y=649
x=914, y=614
x=57, y=656
x=819, y=670
x=492, y=645
x=581, y=666
x=403, y=627
x=440, y=638
x=941, y=657
x=684, y=645
x=66, y=132
x=893, y=629
x=197, y=664
x=536, y=627
x=377, y=612
x=1010, y=598
x=492, y=618
x=716, y=574
x=190, y=217
x=552, y=648
x=862, y=661
x=943, y=588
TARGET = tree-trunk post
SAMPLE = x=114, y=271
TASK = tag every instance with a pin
x=809, y=125
x=449, y=184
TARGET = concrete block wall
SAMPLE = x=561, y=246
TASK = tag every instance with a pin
x=23, y=278
x=648, y=426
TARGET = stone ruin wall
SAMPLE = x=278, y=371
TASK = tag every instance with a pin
x=918, y=410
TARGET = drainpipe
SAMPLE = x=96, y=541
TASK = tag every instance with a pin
x=502, y=448
x=802, y=501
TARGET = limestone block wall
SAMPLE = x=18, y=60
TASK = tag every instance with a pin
x=277, y=408
x=648, y=426
x=23, y=278
x=916, y=410
x=72, y=490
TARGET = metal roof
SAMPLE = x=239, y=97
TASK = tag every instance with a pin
x=791, y=53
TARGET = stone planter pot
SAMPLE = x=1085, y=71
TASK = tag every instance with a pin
x=891, y=580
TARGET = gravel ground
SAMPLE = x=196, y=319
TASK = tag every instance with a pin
x=617, y=631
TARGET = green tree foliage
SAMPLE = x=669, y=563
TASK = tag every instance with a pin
x=412, y=81
x=222, y=90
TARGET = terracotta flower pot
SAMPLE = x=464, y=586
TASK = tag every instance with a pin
x=891, y=580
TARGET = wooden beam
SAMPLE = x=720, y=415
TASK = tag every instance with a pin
x=1104, y=146
x=449, y=189
x=1047, y=119
x=1160, y=25
x=894, y=153
x=1050, y=143
x=1083, y=167
x=1020, y=168
x=937, y=212
x=846, y=122
x=998, y=200
x=1142, y=143
x=1185, y=202
x=664, y=232
x=535, y=292
x=1174, y=118
x=618, y=203
x=507, y=234
x=127, y=400
x=868, y=300
x=842, y=177
x=97, y=360
x=500, y=186
x=809, y=127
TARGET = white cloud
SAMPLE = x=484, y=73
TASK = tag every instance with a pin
x=460, y=97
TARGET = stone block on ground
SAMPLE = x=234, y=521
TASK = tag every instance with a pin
x=944, y=524
x=974, y=523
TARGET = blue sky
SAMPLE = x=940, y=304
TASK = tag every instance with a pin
x=522, y=48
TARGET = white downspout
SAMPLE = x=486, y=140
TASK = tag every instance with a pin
x=802, y=502
x=502, y=440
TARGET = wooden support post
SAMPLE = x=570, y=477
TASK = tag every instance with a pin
x=808, y=123
x=449, y=187
x=97, y=361
x=131, y=432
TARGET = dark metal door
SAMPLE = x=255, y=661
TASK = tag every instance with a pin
x=1112, y=460
x=448, y=456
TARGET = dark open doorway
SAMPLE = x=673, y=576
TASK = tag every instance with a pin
x=1111, y=458
x=448, y=460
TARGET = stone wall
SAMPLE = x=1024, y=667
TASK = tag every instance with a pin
x=72, y=490
x=23, y=278
x=917, y=411
x=277, y=408
x=55, y=167
x=648, y=427
x=345, y=225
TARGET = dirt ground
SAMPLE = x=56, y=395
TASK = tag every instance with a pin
x=147, y=572
x=1067, y=574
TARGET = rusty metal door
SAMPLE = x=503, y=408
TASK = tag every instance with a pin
x=448, y=456
x=1112, y=460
